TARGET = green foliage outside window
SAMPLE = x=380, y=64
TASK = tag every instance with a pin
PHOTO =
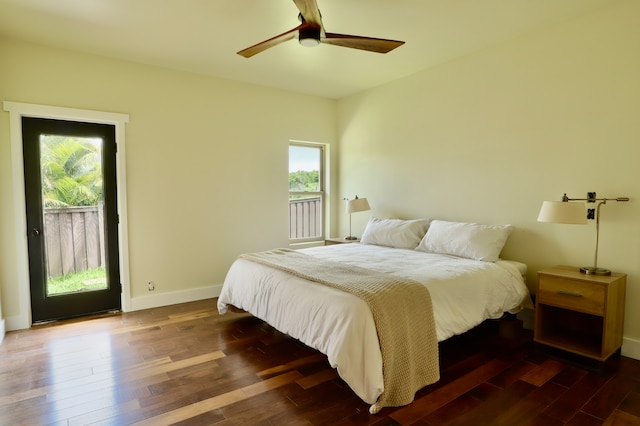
x=71, y=172
x=304, y=181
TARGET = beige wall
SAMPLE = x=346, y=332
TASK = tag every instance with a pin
x=488, y=137
x=206, y=161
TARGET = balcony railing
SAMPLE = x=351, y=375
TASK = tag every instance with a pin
x=305, y=218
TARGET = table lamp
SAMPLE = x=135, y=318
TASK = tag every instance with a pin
x=576, y=213
x=354, y=206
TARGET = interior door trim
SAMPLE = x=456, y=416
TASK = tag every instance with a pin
x=17, y=110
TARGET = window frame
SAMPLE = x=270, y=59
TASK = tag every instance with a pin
x=321, y=193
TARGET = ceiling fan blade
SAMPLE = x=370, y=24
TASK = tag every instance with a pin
x=309, y=11
x=264, y=45
x=370, y=44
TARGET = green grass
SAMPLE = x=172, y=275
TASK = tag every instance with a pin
x=93, y=279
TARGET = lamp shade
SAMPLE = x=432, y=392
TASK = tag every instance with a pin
x=357, y=205
x=563, y=212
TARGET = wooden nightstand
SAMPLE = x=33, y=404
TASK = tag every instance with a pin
x=579, y=313
x=330, y=241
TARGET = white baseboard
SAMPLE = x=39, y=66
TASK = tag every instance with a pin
x=17, y=322
x=3, y=330
x=631, y=348
x=174, y=297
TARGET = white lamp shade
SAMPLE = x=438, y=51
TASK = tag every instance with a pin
x=357, y=205
x=563, y=212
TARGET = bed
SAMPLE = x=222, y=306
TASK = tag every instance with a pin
x=458, y=263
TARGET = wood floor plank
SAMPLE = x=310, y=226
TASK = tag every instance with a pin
x=583, y=419
x=576, y=397
x=542, y=419
x=22, y=396
x=512, y=374
x=610, y=396
x=321, y=401
x=322, y=376
x=333, y=413
x=520, y=411
x=631, y=404
x=153, y=370
x=311, y=359
x=252, y=411
x=458, y=407
x=621, y=418
x=439, y=397
x=543, y=373
x=498, y=402
x=219, y=401
x=569, y=376
x=103, y=415
x=155, y=325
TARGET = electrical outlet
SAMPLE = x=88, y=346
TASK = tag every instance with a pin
x=591, y=213
x=151, y=286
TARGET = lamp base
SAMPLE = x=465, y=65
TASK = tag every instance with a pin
x=591, y=270
x=350, y=238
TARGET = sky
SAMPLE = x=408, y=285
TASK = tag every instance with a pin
x=303, y=158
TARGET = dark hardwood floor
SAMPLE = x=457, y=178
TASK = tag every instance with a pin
x=187, y=365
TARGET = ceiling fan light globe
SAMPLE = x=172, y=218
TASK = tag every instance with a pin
x=308, y=42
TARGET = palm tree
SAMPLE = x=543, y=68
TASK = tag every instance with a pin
x=71, y=171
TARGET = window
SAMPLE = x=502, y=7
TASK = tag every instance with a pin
x=306, y=192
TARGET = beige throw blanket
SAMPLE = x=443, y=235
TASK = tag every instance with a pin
x=401, y=310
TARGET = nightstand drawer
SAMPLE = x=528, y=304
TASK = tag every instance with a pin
x=571, y=294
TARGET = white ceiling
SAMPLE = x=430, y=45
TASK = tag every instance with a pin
x=202, y=36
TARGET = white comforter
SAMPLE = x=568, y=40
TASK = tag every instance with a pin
x=464, y=293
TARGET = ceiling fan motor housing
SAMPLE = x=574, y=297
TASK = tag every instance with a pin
x=309, y=36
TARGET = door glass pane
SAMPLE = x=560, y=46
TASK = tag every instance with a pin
x=72, y=199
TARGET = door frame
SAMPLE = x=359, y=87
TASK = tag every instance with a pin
x=18, y=110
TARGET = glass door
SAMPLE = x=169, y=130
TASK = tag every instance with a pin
x=71, y=217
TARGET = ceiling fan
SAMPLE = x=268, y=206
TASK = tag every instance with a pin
x=311, y=33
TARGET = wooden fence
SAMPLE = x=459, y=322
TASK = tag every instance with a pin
x=305, y=218
x=74, y=239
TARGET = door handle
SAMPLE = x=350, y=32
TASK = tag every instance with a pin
x=35, y=232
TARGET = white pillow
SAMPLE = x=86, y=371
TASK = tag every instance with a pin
x=470, y=240
x=395, y=232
